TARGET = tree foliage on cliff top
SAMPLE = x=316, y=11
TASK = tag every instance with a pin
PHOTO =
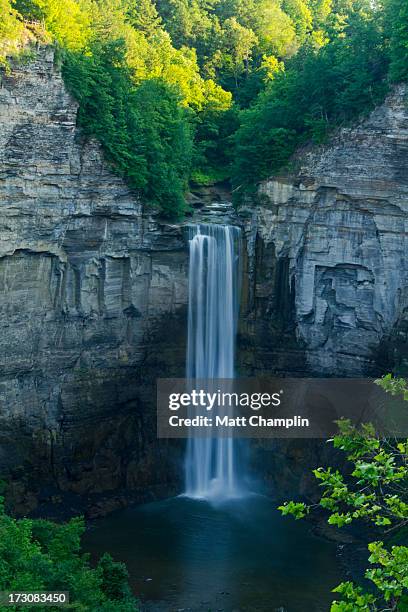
x=228, y=88
x=138, y=94
x=319, y=89
x=11, y=32
x=143, y=129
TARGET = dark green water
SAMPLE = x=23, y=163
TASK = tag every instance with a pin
x=188, y=555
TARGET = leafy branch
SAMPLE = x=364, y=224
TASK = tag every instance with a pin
x=371, y=488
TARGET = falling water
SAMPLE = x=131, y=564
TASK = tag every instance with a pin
x=214, y=275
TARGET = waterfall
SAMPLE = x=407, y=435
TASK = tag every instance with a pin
x=214, y=284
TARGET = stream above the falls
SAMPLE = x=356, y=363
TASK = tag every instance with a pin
x=189, y=555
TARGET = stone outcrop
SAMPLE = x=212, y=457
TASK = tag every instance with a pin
x=92, y=308
x=328, y=254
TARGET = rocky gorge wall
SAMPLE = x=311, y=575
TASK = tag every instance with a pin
x=326, y=286
x=92, y=309
x=328, y=255
x=93, y=292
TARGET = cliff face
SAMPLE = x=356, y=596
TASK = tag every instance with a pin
x=326, y=289
x=91, y=289
x=327, y=243
x=93, y=292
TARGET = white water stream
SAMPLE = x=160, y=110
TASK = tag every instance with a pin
x=214, y=283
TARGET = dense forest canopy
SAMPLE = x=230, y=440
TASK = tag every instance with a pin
x=208, y=90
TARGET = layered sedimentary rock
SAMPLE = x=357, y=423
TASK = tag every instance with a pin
x=93, y=289
x=328, y=257
x=92, y=307
x=326, y=289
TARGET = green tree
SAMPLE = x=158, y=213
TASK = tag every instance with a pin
x=394, y=386
x=143, y=16
x=11, y=32
x=301, y=15
x=275, y=30
x=295, y=68
x=115, y=55
x=143, y=129
x=168, y=144
x=317, y=90
x=45, y=556
x=187, y=21
x=373, y=488
x=397, y=26
x=238, y=43
x=68, y=21
x=213, y=145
